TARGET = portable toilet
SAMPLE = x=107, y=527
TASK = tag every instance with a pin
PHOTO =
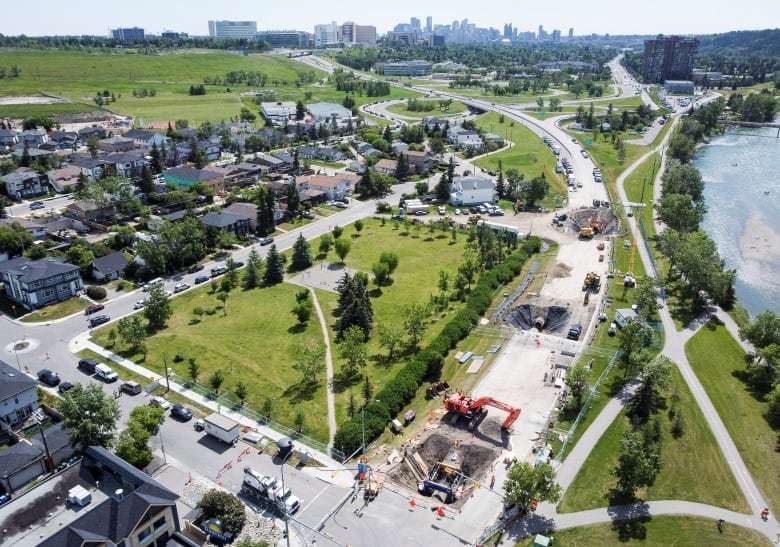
x=396, y=426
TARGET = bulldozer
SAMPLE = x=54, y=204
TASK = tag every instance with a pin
x=592, y=282
x=586, y=232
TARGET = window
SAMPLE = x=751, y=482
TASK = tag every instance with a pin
x=144, y=534
x=64, y=289
x=45, y=293
x=159, y=524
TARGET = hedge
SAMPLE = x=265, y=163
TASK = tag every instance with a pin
x=428, y=362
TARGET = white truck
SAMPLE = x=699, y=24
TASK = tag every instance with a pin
x=221, y=427
x=269, y=492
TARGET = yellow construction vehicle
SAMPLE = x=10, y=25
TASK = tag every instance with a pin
x=586, y=232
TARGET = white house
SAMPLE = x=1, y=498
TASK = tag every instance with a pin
x=472, y=190
x=335, y=187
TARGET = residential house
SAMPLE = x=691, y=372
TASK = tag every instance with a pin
x=430, y=123
x=33, y=137
x=8, y=138
x=398, y=146
x=362, y=147
x=87, y=133
x=386, y=167
x=278, y=113
x=64, y=140
x=266, y=160
x=57, y=443
x=187, y=176
x=64, y=179
x=334, y=187
x=34, y=154
x=125, y=507
x=328, y=154
x=116, y=144
x=287, y=161
x=421, y=162
x=18, y=397
x=125, y=164
x=90, y=168
x=88, y=210
x=145, y=139
x=307, y=152
x=235, y=223
x=20, y=464
x=110, y=266
x=36, y=230
x=247, y=173
x=25, y=183
x=212, y=149
x=463, y=138
x=326, y=112
x=472, y=190
x=244, y=209
x=38, y=283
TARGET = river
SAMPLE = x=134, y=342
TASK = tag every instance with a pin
x=741, y=172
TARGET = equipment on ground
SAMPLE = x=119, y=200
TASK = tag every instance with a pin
x=268, y=491
x=427, y=488
x=461, y=405
x=221, y=427
x=630, y=281
x=586, y=232
x=592, y=282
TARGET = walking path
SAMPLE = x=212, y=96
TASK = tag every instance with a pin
x=329, y=369
x=547, y=516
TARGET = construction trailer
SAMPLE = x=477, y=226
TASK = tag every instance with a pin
x=624, y=316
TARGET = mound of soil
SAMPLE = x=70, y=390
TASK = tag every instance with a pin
x=560, y=270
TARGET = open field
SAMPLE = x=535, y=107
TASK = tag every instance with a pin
x=660, y=531
x=689, y=464
x=402, y=110
x=718, y=362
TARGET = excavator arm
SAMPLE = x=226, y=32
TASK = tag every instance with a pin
x=514, y=413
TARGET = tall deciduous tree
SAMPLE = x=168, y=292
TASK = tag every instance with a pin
x=326, y=242
x=132, y=331
x=310, y=361
x=353, y=349
x=158, y=308
x=637, y=466
x=90, y=416
x=343, y=247
x=416, y=322
x=526, y=483
x=226, y=507
x=390, y=337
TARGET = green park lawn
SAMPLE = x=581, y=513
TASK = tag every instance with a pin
x=401, y=109
x=660, y=531
x=254, y=340
x=694, y=468
x=719, y=362
x=57, y=311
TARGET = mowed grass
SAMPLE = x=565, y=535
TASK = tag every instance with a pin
x=718, y=362
x=661, y=531
x=57, y=311
x=690, y=464
x=455, y=107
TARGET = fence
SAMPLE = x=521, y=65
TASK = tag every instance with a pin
x=258, y=418
x=586, y=405
x=643, y=230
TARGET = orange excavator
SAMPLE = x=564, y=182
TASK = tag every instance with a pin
x=461, y=405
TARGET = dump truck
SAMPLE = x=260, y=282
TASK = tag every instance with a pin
x=586, y=232
x=268, y=491
x=221, y=427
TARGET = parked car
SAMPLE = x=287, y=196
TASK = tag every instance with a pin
x=94, y=308
x=181, y=412
x=37, y=205
x=98, y=320
x=181, y=287
x=266, y=241
x=201, y=279
x=442, y=210
x=139, y=304
x=420, y=213
x=340, y=205
x=65, y=386
x=218, y=270
x=307, y=214
x=159, y=402
x=87, y=365
x=48, y=377
x=106, y=373
x=131, y=388
x=195, y=269
x=238, y=264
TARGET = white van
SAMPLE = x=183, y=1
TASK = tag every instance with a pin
x=105, y=373
x=152, y=283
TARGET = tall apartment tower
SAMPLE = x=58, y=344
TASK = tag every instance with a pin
x=571, y=33
x=669, y=58
x=429, y=24
x=233, y=29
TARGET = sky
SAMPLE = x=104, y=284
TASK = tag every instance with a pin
x=76, y=17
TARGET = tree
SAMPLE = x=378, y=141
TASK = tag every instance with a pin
x=266, y=222
x=353, y=349
x=381, y=273
x=416, y=324
x=391, y=259
x=647, y=399
x=310, y=361
x=241, y=392
x=535, y=190
x=442, y=188
x=133, y=445
x=253, y=270
x=390, y=337
x=301, y=258
x=773, y=398
x=223, y=297
x=149, y=417
x=302, y=311
x=90, y=416
x=525, y=483
x=158, y=308
x=342, y=248
x=680, y=213
x=763, y=331
x=637, y=466
x=646, y=297
x=337, y=231
x=216, y=380
x=225, y=507
x=14, y=239
x=293, y=198
x=402, y=167
x=274, y=267
x=231, y=275
x=132, y=331
x=193, y=369
x=354, y=305
x=358, y=226
x=578, y=380
x=326, y=242
x=631, y=338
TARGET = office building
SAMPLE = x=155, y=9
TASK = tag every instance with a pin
x=571, y=33
x=365, y=35
x=233, y=29
x=429, y=24
x=326, y=35
x=348, y=32
x=133, y=34
x=284, y=38
x=408, y=68
x=669, y=58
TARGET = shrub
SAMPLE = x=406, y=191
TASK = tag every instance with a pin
x=96, y=293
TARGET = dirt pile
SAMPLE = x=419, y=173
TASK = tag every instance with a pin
x=560, y=270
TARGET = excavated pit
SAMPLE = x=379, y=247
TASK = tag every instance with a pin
x=604, y=219
x=541, y=318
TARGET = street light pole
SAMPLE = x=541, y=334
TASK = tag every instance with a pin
x=284, y=507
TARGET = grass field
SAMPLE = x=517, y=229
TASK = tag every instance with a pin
x=660, y=531
x=689, y=465
x=402, y=110
x=57, y=311
x=253, y=342
x=718, y=362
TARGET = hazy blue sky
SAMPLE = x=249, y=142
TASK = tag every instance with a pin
x=49, y=17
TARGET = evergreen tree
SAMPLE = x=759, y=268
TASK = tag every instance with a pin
x=301, y=258
x=156, y=163
x=402, y=167
x=274, y=267
x=443, y=187
x=265, y=212
x=300, y=110
x=253, y=270
x=354, y=306
x=293, y=198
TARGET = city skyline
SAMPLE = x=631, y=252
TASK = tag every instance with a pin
x=595, y=17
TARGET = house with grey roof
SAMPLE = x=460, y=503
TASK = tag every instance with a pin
x=37, y=231
x=115, y=144
x=266, y=160
x=328, y=154
x=122, y=506
x=8, y=137
x=65, y=178
x=245, y=209
x=85, y=133
x=325, y=112
x=125, y=164
x=18, y=396
x=145, y=139
x=307, y=152
x=234, y=223
x=278, y=112
x=111, y=266
x=286, y=159
x=38, y=283
x=25, y=183
x=33, y=137
x=91, y=168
